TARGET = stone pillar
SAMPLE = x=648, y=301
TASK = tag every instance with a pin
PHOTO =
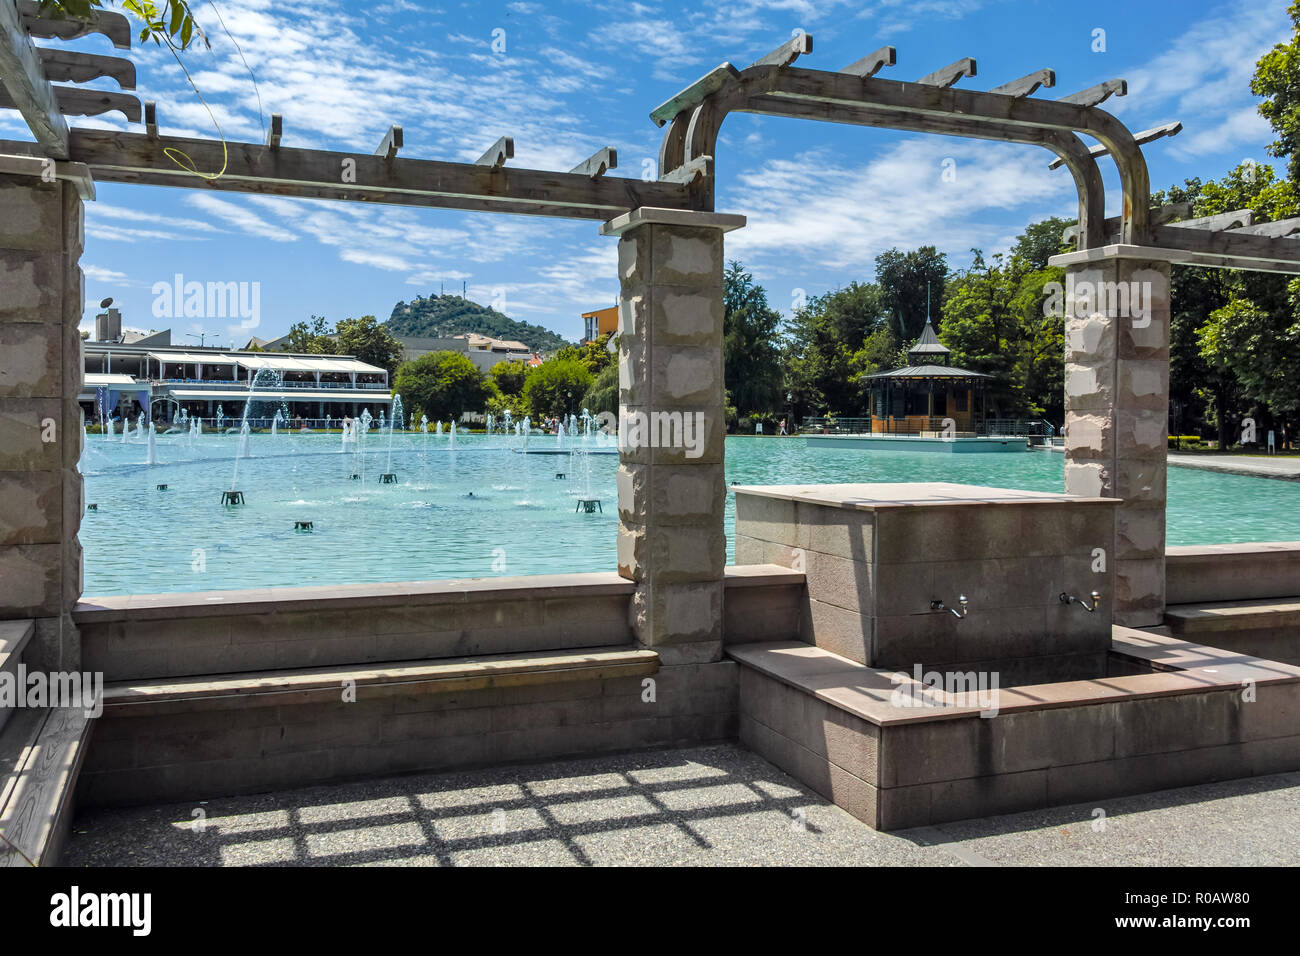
x=1117, y=410
x=40, y=422
x=671, y=487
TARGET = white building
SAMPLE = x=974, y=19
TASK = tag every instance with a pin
x=166, y=379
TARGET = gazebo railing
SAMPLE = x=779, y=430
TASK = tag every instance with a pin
x=923, y=425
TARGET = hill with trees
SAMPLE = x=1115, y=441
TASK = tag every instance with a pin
x=444, y=316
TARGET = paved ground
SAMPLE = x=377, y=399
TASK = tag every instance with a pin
x=1264, y=466
x=718, y=805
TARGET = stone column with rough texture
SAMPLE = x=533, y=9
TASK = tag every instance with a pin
x=41, y=293
x=671, y=488
x=1117, y=410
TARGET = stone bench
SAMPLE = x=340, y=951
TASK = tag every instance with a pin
x=327, y=684
x=1268, y=627
x=1170, y=713
x=41, y=752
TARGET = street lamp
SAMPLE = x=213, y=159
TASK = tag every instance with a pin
x=201, y=336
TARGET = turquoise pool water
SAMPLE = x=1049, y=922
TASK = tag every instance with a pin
x=519, y=520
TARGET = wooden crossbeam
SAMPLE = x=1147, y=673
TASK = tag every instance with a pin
x=1096, y=95
x=787, y=52
x=598, y=163
x=873, y=63
x=274, y=134
x=112, y=25
x=28, y=88
x=1146, y=136
x=391, y=143
x=1241, y=247
x=1158, y=216
x=1026, y=85
x=689, y=171
x=498, y=153
x=950, y=74
x=956, y=111
x=72, y=66
x=1277, y=230
x=1234, y=219
x=123, y=157
x=77, y=101
x=151, y=119
x=695, y=94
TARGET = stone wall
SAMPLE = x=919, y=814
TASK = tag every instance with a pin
x=209, y=752
x=41, y=296
x=220, y=632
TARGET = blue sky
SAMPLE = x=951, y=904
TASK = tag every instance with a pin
x=822, y=200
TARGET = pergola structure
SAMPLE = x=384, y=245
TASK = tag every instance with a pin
x=671, y=507
x=915, y=399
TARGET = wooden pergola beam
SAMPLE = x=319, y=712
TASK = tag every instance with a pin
x=598, y=163
x=1158, y=216
x=950, y=74
x=72, y=66
x=1233, y=219
x=1238, y=246
x=28, y=89
x=122, y=157
x=497, y=153
x=1096, y=95
x=391, y=143
x=957, y=111
x=1142, y=138
x=787, y=52
x=1278, y=230
x=1026, y=85
x=112, y=25
x=872, y=63
x=716, y=79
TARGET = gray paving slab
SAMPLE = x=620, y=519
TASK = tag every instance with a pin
x=717, y=805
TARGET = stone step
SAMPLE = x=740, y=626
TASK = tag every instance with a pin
x=41, y=752
x=324, y=684
x=14, y=637
x=1233, y=615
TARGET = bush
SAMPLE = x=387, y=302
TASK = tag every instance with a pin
x=442, y=385
x=557, y=387
x=603, y=394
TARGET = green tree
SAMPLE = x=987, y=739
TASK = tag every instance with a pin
x=831, y=343
x=369, y=342
x=903, y=278
x=1277, y=79
x=556, y=387
x=442, y=385
x=603, y=394
x=509, y=376
x=595, y=355
x=750, y=353
x=311, y=338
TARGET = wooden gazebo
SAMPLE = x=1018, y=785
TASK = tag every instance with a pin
x=916, y=399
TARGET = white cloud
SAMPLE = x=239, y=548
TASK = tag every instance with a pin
x=108, y=276
x=814, y=210
x=242, y=218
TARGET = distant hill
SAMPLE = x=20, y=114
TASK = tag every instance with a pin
x=443, y=316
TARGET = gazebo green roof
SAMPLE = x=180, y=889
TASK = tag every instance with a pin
x=929, y=371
